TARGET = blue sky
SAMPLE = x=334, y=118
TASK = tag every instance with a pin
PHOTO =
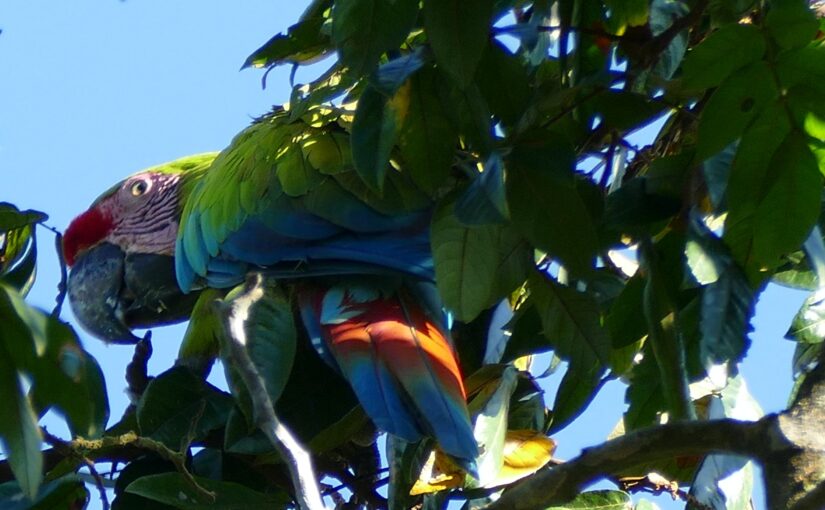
x=92, y=91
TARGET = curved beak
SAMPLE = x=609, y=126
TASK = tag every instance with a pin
x=112, y=292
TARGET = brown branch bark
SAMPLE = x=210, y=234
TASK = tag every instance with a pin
x=790, y=446
x=563, y=482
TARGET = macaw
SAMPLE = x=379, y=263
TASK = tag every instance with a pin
x=284, y=199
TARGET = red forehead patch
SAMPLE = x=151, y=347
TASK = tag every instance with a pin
x=84, y=231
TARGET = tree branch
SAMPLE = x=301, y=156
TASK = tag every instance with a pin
x=296, y=457
x=556, y=484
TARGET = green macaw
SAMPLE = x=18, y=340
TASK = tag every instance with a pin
x=284, y=199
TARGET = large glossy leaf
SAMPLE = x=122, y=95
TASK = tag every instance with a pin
x=727, y=299
x=363, y=30
x=64, y=492
x=18, y=248
x=427, y=140
x=601, y=500
x=303, y=42
x=174, y=490
x=458, y=32
x=485, y=201
x=374, y=132
x=62, y=374
x=733, y=106
x=270, y=342
x=571, y=324
x=546, y=206
x=791, y=23
x=504, y=82
x=475, y=266
x=178, y=402
x=19, y=432
x=721, y=53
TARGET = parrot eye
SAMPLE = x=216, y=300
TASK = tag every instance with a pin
x=139, y=188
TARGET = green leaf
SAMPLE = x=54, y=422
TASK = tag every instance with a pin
x=644, y=396
x=18, y=248
x=12, y=218
x=625, y=13
x=177, y=402
x=363, y=30
x=485, y=201
x=469, y=262
x=733, y=106
x=64, y=492
x=571, y=324
x=469, y=113
x=727, y=299
x=625, y=323
x=716, y=171
x=270, y=341
x=773, y=194
x=601, y=500
x=174, y=490
x=68, y=378
x=62, y=374
x=624, y=110
x=790, y=207
x=303, y=42
x=642, y=203
x=546, y=206
x=458, y=33
x=663, y=13
x=791, y=23
x=427, y=139
x=504, y=82
x=374, y=131
x=570, y=319
x=19, y=432
x=808, y=325
x=727, y=50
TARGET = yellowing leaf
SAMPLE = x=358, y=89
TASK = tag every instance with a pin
x=523, y=363
x=438, y=473
x=525, y=452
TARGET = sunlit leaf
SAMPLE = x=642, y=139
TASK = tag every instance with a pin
x=733, y=106
x=601, y=500
x=721, y=53
x=525, y=452
x=438, y=473
x=363, y=30
x=302, y=43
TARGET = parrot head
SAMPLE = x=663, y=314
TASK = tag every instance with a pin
x=121, y=253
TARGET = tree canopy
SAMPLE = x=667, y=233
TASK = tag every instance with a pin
x=552, y=233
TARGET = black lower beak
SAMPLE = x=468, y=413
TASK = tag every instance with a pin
x=112, y=292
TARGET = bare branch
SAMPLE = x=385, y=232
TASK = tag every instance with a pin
x=296, y=457
x=557, y=484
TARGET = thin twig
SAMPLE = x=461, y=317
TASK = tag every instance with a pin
x=62, y=286
x=292, y=452
x=65, y=448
